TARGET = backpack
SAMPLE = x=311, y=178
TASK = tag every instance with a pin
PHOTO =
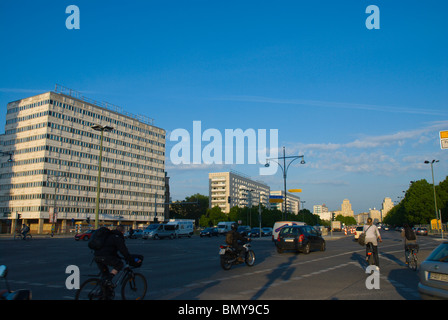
x=229, y=238
x=98, y=238
x=409, y=234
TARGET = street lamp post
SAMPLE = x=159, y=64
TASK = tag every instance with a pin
x=97, y=207
x=285, y=171
x=434, y=188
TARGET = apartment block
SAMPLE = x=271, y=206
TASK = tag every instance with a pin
x=229, y=189
x=50, y=163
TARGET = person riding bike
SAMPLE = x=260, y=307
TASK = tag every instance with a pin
x=25, y=230
x=372, y=236
x=233, y=239
x=410, y=240
x=107, y=255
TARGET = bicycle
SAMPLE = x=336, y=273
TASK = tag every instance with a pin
x=133, y=286
x=20, y=236
x=370, y=258
x=411, y=256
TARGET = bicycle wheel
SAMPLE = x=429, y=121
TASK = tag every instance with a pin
x=28, y=237
x=17, y=236
x=90, y=290
x=134, y=287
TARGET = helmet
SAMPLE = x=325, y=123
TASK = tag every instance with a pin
x=234, y=226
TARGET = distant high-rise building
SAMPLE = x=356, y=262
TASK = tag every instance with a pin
x=229, y=189
x=388, y=204
x=346, y=208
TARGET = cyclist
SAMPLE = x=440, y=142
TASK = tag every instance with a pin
x=107, y=255
x=372, y=236
x=24, y=231
x=410, y=240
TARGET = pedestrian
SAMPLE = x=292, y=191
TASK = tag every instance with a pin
x=372, y=236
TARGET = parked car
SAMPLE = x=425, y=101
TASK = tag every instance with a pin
x=255, y=232
x=358, y=231
x=209, y=232
x=433, y=274
x=84, y=236
x=421, y=232
x=138, y=233
x=300, y=239
x=244, y=230
x=267, y=231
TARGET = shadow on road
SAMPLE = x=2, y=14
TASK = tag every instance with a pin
x=282, y=272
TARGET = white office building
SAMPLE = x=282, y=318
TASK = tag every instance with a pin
x=50, y=163
x=229, y=189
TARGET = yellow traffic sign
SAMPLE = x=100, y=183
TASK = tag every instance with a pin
x=444, y=139
x=295, y=190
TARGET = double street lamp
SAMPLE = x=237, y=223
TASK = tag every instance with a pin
x=285, y=171
x=100, y=128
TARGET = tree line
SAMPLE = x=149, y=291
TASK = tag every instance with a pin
x=418, y=206
x=196, y=207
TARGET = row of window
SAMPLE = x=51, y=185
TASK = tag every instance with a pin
x=74, y=164
x=76, y=119
x=77, y=187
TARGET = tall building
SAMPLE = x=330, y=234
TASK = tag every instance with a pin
x=51, y=156
x=346, y=208
x=322, y=211
x=388, y=204
x=229, y=189
x=292, y=202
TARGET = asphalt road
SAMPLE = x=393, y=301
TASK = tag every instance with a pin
x=189, y=269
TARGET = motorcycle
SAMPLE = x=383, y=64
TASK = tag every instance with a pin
x=22, y=294
x=229, y=256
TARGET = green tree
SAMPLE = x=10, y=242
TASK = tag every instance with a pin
x=193, y=207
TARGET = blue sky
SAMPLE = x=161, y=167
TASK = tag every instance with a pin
x=364, y=107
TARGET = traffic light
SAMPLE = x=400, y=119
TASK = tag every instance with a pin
x=228, y=199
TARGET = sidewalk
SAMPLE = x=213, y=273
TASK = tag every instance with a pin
x=8, y=236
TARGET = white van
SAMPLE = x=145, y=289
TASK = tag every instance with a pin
x=224, y=226
x=280, y=224
x=183, y=227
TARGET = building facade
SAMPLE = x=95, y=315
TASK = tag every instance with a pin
x=388, y=204
x=50, y=163
x=229, y=189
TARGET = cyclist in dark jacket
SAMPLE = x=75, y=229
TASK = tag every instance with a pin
x=108, y=254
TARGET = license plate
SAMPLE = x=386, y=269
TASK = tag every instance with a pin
x=222, y=251
x=289, y=240
x=438, y=276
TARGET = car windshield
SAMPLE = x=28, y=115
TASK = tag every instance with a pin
x=440, y=253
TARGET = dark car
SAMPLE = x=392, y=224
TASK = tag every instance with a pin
x=209, y=232
x=255, y=232
x=84, y=236
x=300, y=239
x=421, y=232
x=243, y=230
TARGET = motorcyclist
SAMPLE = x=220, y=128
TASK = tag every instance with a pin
x=233, y=238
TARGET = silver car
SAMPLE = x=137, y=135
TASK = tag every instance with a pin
x=434, y=274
